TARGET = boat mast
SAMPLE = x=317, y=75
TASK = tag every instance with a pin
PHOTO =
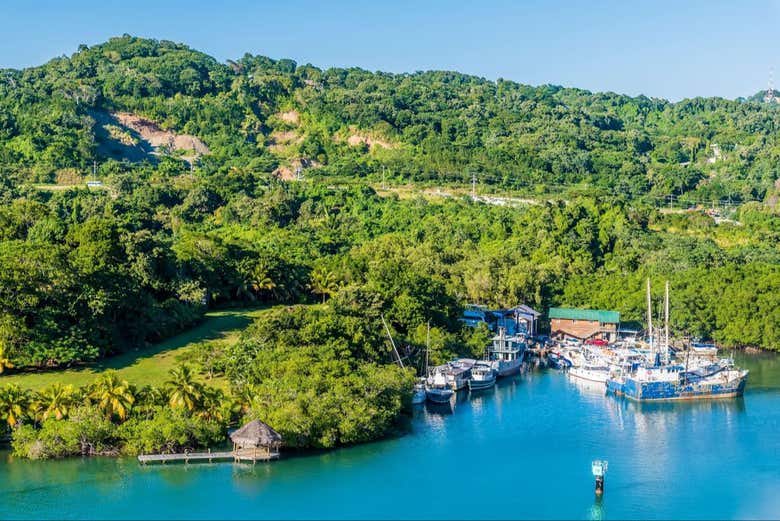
x=649, y=318
x=392, y=342
x=427, y=347
x=666, y=324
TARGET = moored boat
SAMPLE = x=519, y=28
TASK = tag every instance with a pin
x=437, y=390
x=419, y=394
x=507, y=353
x=458, y=373
x=704, y=348
x=482, y=377
x=673, y=382
x=591, y=372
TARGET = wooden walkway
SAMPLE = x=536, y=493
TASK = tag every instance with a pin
x=194, y=457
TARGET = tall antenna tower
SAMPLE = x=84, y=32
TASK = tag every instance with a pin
x=769, y=97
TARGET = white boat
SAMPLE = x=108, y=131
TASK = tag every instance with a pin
x=507, y=353
x=704, y=348
x=458, y=373
x=591, y=372
x=482, y=376
x=437, y=390
x=419, y=394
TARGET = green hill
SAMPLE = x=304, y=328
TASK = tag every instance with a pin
x=275, y=116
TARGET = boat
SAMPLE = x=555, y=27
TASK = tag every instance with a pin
x=673, y=382
x=558, y=360
x=591, y=371
x=704, y=348
x=507, y=353
x=482, y=377
x=458, y=372
x=419, y=395
x=437, y=390
x=669, y=380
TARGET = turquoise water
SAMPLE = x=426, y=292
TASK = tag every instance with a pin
x=521, y=451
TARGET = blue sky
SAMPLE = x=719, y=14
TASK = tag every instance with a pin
x=657, y=48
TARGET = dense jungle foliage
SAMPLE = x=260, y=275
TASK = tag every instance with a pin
x=87, y=273
x=258, y=114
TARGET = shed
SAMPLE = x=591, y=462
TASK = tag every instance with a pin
x=256, y=440
x=583, y=324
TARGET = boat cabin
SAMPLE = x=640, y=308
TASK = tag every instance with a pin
x=507, y=347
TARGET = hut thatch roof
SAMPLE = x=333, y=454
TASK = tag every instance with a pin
x=256, y=434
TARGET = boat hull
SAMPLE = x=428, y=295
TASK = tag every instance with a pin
x=503, y=368
x=667, y=391
x=439, y=395
x=590, y=376
x=481, y=385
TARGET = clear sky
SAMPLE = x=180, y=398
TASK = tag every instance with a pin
x=670, y=49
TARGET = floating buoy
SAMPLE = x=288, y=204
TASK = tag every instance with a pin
x=599, y=468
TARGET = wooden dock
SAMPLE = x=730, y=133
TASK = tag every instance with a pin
x=196, y=457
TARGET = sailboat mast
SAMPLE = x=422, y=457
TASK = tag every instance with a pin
x=666, y=323
x=427, y=347
x=650, y=316
x=392, y=342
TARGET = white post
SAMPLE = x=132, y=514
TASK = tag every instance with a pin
x=650, y=317
x=666, y=323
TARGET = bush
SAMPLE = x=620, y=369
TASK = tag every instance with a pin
x=169, y=431
x=86, y=432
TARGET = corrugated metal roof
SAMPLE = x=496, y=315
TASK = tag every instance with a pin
x=594, y=315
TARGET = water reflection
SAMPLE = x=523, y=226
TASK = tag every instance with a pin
x=597, y=510
x=587, y=387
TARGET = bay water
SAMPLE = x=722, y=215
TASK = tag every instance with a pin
x=523, y=450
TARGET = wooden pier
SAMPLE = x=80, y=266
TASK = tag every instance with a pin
x=253, y=455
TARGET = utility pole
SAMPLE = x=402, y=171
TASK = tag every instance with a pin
x=94, y=168
x=383, y=177
x=473, y=185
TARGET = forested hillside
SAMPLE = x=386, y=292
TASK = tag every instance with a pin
x=200, y=204
x=264, y=115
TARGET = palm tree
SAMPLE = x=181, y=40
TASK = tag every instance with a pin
x=216, y=406
x=255, y=279
x=14, y=401
x=5, y=362
x=323, y=282
x=184, y=391
x=114, y=396
x=55, y=401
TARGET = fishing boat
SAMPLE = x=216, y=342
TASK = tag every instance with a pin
x=482, y=376
x=667, y=380
x=673, y=382
x=437, y=390
x=507, y=353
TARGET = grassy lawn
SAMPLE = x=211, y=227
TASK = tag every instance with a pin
x=148, y=365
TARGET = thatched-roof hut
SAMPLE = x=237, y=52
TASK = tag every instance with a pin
x=256, y=440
